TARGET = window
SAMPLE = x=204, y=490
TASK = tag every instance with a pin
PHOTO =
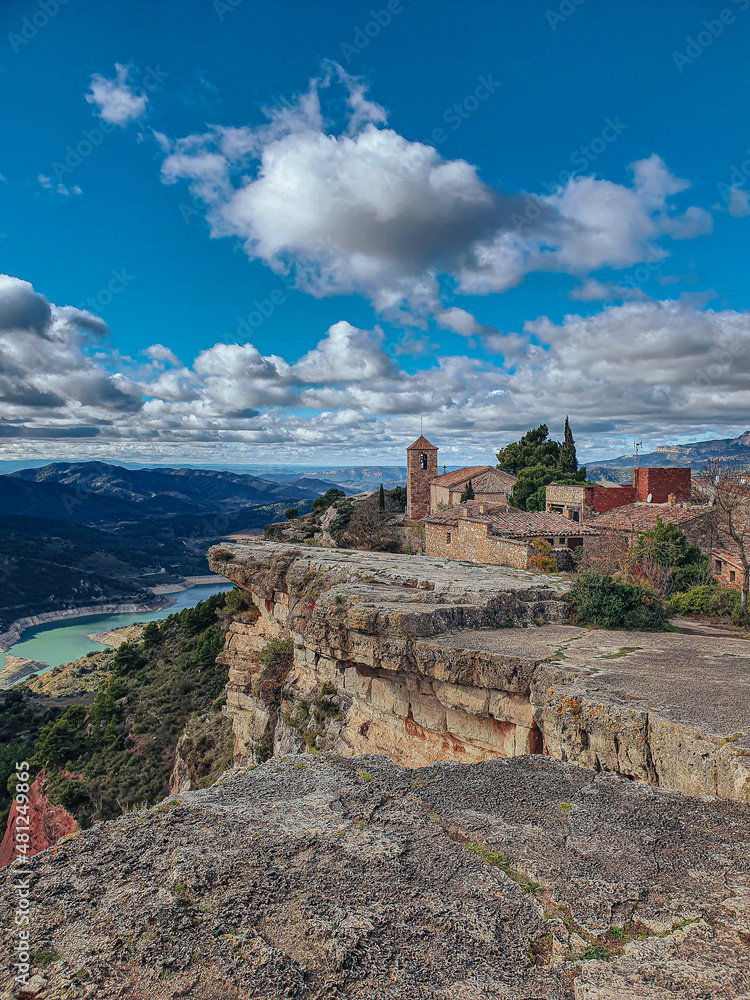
x=423, y=461
x=448, y=537
x=732, y=575
x=717, y=566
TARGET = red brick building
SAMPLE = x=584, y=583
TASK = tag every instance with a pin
x=585, y=500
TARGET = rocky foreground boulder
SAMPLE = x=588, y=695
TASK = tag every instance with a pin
x=324, y=877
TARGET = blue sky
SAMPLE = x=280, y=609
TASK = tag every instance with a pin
x=449, y=225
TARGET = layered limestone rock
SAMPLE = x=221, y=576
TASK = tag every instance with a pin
x=325, y=877
x=423, y=661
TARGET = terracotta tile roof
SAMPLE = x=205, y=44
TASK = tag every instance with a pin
x=728, y=550
x=641, y=516
x=530, y=524
x=484, y=479
x=507, y=522
x=421, y=442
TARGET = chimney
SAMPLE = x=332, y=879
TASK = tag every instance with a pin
x=671, y=499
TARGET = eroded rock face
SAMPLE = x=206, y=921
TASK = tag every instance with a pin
x=322, y=876
x=424, y=661
x=46, y=823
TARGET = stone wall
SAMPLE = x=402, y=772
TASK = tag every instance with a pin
x=726, y=574
x=473, y=541
x=445, y=496
x=587, y=501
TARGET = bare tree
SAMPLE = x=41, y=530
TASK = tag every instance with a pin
x=727, y=487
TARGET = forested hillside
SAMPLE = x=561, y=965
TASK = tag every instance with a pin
x=117, y=752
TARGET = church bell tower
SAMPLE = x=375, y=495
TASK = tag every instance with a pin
x=421, y=468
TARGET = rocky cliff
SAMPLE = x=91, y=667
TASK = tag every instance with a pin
x=46, y=823
x=325, y=877
x=423, y=661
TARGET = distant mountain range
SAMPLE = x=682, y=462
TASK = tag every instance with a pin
x=74, y=534
x=695, y=455
x=357, y=478
x=95, y=492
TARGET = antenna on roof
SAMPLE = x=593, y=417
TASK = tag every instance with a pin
x=638, y=444
x=420, y=425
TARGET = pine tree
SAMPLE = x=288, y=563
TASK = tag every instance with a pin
x=381, y=498
x=468, y=493
x=567, y=460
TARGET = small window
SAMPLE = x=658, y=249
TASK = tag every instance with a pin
x=448, y=537
x=717, y=566
x=422, y=461
x=551, y=541
x=732, y=576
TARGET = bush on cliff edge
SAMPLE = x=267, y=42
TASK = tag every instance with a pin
x=600, y=601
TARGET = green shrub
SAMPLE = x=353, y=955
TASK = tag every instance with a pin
x=276, y=661
x=291, y=513
x=543, y=561
x=320, y=504
x=599, y=601
x=711, y=601
x=223, y=555
x=666, y=546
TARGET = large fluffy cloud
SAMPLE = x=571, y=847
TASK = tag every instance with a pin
x=652, y=369
x=49, y=378
x=352, y=206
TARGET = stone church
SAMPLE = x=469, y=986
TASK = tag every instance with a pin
x=427, y=492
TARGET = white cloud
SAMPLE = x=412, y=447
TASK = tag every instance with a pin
x=354, y=207
x=739, y=202
x=115, y=100
x=654, y=369
x=49, y=185
x=592, y=290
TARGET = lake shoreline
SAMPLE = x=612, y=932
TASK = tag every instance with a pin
x=11, y=637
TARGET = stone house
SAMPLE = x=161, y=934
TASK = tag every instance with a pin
x=427, y=492
x=631, y=519
x=726, y=565
x=487, y=482
x=482, y=532
x=583, y=501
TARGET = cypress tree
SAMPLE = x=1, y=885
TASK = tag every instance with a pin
x=567, y=460
x=468, y=493
x=381, y=498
